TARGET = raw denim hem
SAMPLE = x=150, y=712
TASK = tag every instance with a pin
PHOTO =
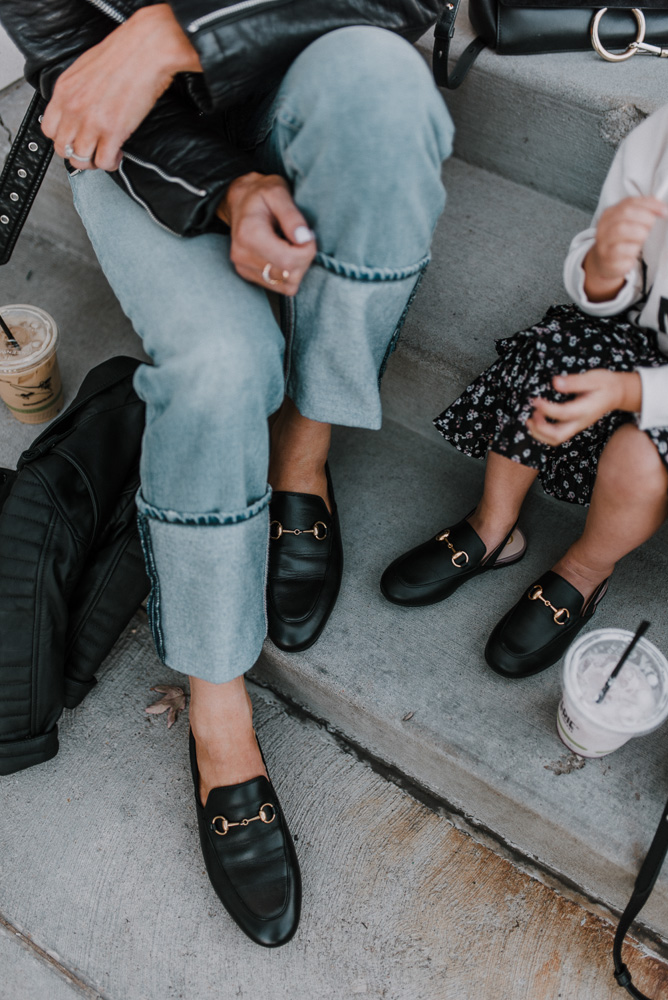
x=208, y=517
x=360, y=272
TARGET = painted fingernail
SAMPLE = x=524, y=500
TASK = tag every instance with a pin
x=303, y=234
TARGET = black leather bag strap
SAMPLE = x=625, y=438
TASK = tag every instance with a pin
x=23, y=173
x=443, y=34
x=647, y=876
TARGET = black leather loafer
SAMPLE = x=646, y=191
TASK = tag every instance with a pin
x=250, y=857
x=538, y=630
x=434, y=570
x=305, y=567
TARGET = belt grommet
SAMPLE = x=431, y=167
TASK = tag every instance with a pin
x=33, y=147
x=13, y=196
x=4, y=219
x=21, y=172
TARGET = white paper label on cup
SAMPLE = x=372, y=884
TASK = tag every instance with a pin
x=636, y=702
x=582, y=736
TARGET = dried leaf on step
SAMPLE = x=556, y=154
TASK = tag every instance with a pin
x=173, y=702
x=408, y=716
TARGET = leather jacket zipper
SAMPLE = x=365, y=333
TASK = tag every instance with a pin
x=107, y=9
x=231, y=11
x=140, y=201
x=166, y=177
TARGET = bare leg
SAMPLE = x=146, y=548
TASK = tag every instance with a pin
x=221, y=718
x=299, y=449
x=629, y=503
x=506, y=485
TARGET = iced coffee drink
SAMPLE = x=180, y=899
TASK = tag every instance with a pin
x=635, y=704
x=29, y=377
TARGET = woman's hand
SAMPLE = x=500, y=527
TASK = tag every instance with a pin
x=107, y=92
x=597, y=392
x=620, y=237
x=272, y=245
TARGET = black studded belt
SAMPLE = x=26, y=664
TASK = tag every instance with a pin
x=22, y=175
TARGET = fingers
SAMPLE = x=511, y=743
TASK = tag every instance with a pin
x=580, y=382
x=256, y=244
x=561, y=411
x=621, y=234
x=292, y=223
x=553, y=434
x=272, y=245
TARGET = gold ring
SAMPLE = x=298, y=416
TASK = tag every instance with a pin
x=266, y=275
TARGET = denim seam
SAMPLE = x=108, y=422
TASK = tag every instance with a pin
x=153, y=602
x=361, y=272
x=209, y=518
x=394, y=339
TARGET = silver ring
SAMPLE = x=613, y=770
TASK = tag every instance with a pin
x=633, y=47
x=71, y=155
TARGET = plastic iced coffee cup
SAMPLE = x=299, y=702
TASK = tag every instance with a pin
x=29, y=376
x=636, y=703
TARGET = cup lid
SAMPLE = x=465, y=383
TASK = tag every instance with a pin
x=36, y=332
x=612, y=642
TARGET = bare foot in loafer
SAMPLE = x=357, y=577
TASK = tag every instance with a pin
x=221, y=718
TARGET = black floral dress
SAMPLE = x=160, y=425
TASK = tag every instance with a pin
x=492, y=412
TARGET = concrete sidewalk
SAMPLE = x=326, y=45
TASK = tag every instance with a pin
x=104, y=893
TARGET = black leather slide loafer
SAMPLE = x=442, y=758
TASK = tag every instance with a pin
x=250, y=857
x=434, y=570
x=538, y=630
x=305, y=567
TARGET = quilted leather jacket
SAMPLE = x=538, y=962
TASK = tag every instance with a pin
x=180, y=160
x=71, y=567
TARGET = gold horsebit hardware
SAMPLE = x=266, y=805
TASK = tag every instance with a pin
x=445, y=537
x=536, y=594
x=319, y=531
x=267, y=814
x=640, y=45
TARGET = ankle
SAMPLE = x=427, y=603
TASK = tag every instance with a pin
x=581, y=575
x=491, y=525
x=304, y=475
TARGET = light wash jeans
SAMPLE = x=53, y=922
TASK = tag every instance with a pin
x=360, y=131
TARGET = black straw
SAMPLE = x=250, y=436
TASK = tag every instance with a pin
x=640, y=631
x=13, y=342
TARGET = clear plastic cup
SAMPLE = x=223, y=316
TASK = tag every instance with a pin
x=636, y=703
x=29, y=376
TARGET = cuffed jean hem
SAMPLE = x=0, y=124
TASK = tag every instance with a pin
x=361, y=272
x=361, y=304
x=207, y=573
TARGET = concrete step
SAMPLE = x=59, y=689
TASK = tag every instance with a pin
x=411, y=686
x=498, y=255
x=551, y=122
x=105, y=897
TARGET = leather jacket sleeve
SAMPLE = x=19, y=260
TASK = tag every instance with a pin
x=177, y=165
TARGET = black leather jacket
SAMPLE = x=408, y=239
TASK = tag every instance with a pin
x=180, y=160
x=71, y=568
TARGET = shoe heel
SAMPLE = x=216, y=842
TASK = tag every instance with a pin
x=513, y=550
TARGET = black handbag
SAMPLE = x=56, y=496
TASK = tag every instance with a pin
x=530, y=27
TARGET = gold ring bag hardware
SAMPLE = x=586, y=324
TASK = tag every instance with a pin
x=529, y=27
